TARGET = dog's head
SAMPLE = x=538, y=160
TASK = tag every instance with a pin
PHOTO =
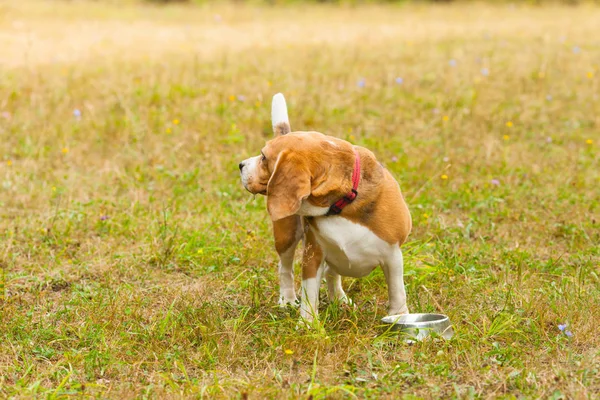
x=300, y=173
x=254, y=171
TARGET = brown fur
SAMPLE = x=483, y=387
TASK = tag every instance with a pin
x=287, y=232
x=312, y=256
x=288, y=187
x=321, y=173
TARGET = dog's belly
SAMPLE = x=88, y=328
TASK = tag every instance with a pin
x=350, y=249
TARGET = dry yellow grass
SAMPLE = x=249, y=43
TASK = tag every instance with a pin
x=44, y=33
x=134, y=264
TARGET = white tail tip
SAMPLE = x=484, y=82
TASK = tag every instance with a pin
x=279, y=115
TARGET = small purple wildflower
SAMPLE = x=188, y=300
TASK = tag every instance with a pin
x=395, y=159
x=104, y=218
x=399, y=80
x=495, y=182
x=361, y=83
x=435, y=111
x=485, y=71
x=569, y=333
x=549, y=97
x=576, y=50
x=446, y=159
x=77, y=113
x=241, y=97
x=562, y=327
x=548, y=139
x=452, y=63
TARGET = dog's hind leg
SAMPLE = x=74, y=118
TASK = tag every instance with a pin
x=288, y=232
x=335, y=291
x=393, y=270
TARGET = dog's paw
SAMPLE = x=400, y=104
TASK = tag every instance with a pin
x=343, y=300
x=289, y=302
x=306, y=322
x=347, y=300
x=399, y=311
x=313, y=326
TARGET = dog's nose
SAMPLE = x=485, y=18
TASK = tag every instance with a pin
x=241, y=165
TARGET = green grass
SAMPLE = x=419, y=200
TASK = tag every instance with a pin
x=134, y=264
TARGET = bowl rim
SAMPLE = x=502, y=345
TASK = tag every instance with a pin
x=396, y=319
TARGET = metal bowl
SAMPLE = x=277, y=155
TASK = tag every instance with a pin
x=420, y=326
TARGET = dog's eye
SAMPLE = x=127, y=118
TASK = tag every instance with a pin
x=263, y=158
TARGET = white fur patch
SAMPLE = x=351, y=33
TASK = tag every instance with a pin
x=249, y=171
x=308, y=210
x=394, y=276
x=309, y=306
x=352, y=249
x=279, y=112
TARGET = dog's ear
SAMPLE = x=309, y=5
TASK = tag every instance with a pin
x=288, y=187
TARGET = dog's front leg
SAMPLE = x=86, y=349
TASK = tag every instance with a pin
x=312, y=270
x=393, y=270
x=287, y=232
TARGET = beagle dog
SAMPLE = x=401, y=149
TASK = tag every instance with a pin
x=348, y=208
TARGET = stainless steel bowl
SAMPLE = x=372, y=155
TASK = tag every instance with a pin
x=420, y=326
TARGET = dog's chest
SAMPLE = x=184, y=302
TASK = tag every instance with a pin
x=349, y=248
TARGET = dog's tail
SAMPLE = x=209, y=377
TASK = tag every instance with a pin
x=279, y=115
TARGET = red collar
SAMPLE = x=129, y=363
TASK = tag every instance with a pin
x=339, y=205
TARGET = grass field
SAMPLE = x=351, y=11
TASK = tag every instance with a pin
x=134, y=264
